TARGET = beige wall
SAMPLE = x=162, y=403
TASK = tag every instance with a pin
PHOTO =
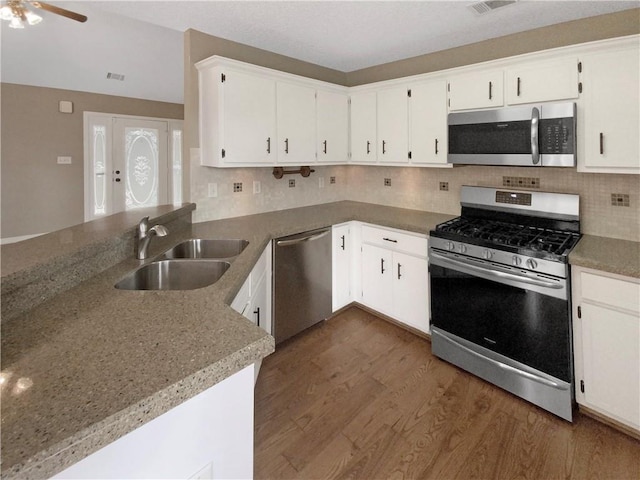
x=411, y=187
x=38, y=195
x=612, y=25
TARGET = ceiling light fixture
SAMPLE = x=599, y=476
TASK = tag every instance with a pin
x=17, y=14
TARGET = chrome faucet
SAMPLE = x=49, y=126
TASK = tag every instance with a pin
x=144, y=237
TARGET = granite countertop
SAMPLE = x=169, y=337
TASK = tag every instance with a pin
x=93, y=363
x=607, y=254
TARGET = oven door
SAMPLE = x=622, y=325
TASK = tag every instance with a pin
x=525, y=319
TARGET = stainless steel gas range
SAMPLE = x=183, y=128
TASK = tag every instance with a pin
x=500, y=292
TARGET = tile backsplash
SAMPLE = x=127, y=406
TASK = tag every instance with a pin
x=419, y=189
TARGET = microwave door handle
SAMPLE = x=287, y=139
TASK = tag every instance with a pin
x=535, y=121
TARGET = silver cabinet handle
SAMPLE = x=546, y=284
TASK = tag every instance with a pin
x=535, y=120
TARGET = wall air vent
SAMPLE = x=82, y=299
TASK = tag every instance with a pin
x=115, y=76
x=487, y=6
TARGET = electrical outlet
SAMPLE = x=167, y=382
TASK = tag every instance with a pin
x=64, y=160
x=213, y=190
x=444, y=186
x=256, y=187
x=387, y=182
x=619, y=199
x=321, y=182
x=332, y=180
x=292, y=183
x=522, y=182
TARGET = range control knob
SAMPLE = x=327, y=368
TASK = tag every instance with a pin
x=463, y=248
x=487, y=254
x=450, y=246
x=516, y=261
x=532, y=264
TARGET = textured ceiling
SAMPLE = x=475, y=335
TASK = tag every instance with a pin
x=143, y=39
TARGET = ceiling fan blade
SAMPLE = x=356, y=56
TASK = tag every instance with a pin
x=60, y=11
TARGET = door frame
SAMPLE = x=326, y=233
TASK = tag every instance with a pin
x=173, y=124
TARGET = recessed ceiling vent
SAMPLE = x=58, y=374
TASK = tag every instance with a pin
x=115, y=76
x=487, y=6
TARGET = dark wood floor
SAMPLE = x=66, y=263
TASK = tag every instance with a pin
x=357, y=397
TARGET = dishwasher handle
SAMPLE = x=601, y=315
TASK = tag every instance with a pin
x=315, y=235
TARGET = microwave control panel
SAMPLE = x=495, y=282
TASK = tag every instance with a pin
x=557, y=135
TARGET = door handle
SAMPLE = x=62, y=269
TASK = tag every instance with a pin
x=601, y=143
x=384, y=147
x=535, y=151
x=268, y=144
x=490, y=90
x=368, y=147
x=518, y=88
x=342, y=246
x=286, y=145
x=307, y=238
x=436, y=146
x=324, y=149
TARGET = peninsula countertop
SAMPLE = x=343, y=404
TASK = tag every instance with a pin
x=93, y=363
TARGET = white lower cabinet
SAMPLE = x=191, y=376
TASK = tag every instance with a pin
x=606, y=325
x=395, y=276
x=253, y=301
x=210, y=434
x=341, y=272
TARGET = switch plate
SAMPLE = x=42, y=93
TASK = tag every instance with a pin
x=213, y=190
x=256, y=187
x=64, y=160
x=321, y=182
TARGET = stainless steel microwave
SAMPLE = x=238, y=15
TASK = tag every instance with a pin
x=542, y=135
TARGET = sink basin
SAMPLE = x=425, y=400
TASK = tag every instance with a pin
x=174, y=275
x=199, y=248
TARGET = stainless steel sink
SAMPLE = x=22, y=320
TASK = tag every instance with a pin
x=174, y=275
x=201, y=249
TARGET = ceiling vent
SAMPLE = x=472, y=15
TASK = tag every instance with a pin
x=487, y=6
x=115, y=76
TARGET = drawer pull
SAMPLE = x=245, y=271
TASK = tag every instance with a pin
x=390, y=240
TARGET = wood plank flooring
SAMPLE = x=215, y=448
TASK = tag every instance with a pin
x=359, y=398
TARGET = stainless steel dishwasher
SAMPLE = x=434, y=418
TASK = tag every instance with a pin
x=301, y=282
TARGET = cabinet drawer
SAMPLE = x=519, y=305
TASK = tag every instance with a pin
x=611, y=291
x=395, y=240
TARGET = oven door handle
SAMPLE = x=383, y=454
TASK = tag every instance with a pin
x=486, y=273
x=504, y=366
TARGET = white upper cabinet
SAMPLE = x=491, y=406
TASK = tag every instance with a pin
x=478, y=89
x=237, y=118
x=363, y=127
x=393, y=125
x=296, y=120
x=609, y=120
x=428, y=123
x=332, y=142
x=552, y=80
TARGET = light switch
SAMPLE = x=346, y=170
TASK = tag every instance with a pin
x=64, y=160
x=65, y=106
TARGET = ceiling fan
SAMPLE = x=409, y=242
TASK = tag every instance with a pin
x=17, y=12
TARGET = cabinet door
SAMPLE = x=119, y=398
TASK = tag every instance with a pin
x=332, y=127
x=296, y=124
x=428, y=122
x=377, y=279
x=476, y=90
x=411, y=291
x=393, y=126
x=611, y=112
x=543, y=81
x=248, y=127
x=341, y=272
x=611, y=359
x=363, y=127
